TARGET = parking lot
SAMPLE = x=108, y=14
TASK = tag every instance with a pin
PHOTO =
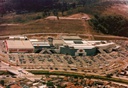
x=88, y=64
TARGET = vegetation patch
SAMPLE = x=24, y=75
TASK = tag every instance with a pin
x=76, y=75
x=115, y=25
x=3, y=73
x=40, y=72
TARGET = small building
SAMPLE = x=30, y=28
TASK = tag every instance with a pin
x=18, y=46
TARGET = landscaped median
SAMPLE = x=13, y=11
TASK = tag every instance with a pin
x=41, y=72
x=3, y=72
x=74, y=74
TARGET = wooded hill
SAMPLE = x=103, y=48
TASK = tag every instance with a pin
x=22, y=6
x=108, y=24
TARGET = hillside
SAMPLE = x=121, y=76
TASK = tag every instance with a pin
x=119, y=9
x=46, y=26
x=120, y=1
x=107, y=7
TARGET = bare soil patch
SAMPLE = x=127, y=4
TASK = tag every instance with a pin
x=118, y=9
x=79, y=15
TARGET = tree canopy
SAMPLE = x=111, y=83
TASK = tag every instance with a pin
x=115, y=25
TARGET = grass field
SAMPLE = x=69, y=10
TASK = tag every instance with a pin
x=44, y=26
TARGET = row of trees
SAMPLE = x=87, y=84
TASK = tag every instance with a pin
x=46, y=6
x=115, y=25
x=21, y=6
x=29, y=5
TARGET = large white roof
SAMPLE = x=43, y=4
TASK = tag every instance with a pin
x=88, y=44
x=20, y=44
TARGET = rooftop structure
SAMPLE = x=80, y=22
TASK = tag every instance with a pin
x=33, y=40
x=17, y=46
x=71, y=38
x=58, y=43
x=18, y=38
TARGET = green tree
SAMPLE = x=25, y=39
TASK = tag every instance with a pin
x=109, y=75
x=49, y=83
x=2, y=82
